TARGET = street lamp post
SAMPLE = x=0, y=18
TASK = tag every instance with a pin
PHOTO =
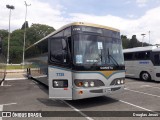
x=143, y=35
x=24, y=43
x=149, y=36
x=10, y=7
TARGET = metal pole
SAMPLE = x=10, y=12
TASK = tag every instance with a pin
x=10, y=7
x=24, y=42
x=8, y=36
x=149, y=36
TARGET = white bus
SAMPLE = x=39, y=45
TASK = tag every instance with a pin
x=143, y=62
x=79, y=60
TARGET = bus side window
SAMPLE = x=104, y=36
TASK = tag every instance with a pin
x=128, y=56
x=157, y=59
x=142, y=55
x=58, y=51
x=147, y=55
x=67, y=32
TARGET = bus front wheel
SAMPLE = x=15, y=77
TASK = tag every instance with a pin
x=145, y=76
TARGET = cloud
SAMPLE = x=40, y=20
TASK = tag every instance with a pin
x=148, y=22
x=141, y=3
x=131, y=16
x=127, y=2
x=55, y=15
x=38, y=12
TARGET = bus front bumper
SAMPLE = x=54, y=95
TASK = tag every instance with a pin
x=81, y=93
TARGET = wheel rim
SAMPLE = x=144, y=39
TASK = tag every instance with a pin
x=145, y=76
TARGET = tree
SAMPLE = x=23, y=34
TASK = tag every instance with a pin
x=16, y=46
x=23, y=26
x=33, y=34
x=125, y=41
x=133, y=42
x=37, y=32
x=3, y=34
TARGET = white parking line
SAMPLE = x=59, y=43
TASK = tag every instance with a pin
x=142, y=92
x=135, y=105
x=2, y=83
x=144, y=86
x=77, y=110
x=9, y=104
x=1, y=107
x=89, y=118
x=150, y=86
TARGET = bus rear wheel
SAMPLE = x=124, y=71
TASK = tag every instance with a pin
x=145, y=76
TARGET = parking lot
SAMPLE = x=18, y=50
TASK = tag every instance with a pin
x=28, y=95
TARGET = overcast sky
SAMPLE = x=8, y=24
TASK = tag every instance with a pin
x=132, y=17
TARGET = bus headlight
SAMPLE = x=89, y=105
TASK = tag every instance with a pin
x=86, y=84
x=92, y=84
x=122, y=81
x=118, y=82
x=56, y=83
x=60, y=83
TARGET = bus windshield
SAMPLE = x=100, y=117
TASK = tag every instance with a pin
x=97, y=50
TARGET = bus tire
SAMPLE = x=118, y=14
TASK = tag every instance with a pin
x=145, y=76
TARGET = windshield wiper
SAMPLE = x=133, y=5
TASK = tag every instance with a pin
x=110, y=56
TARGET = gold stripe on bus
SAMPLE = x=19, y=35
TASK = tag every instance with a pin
x=107, y=73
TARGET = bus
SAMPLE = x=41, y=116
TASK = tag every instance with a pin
x=143, y=62
x=79, y=60
x=2, y=63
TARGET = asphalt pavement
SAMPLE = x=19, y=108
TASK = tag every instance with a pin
x=27, y=95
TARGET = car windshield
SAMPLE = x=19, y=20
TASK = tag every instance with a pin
x=97, y=50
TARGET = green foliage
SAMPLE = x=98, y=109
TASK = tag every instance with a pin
x=23, y=26
x=133, y=42
x=3, y=34
x=33, y=34
x=125, y=41
x=37, y=32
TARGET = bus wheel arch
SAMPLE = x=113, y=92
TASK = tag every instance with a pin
x=144, y=75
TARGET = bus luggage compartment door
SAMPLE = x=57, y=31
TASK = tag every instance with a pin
x=60, y=83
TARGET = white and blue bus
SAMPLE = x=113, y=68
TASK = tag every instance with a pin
x=143, y=62
x=79, y=60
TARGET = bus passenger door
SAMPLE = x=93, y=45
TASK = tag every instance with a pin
x=59, y=70
x=60, y=83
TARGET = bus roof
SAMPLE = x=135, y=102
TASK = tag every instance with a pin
x=76, y=23
x=147, y=48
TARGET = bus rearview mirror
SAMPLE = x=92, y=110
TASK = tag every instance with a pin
x=64, y=44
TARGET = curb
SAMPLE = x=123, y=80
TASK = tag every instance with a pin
x=15, y=71
x=9, y=79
